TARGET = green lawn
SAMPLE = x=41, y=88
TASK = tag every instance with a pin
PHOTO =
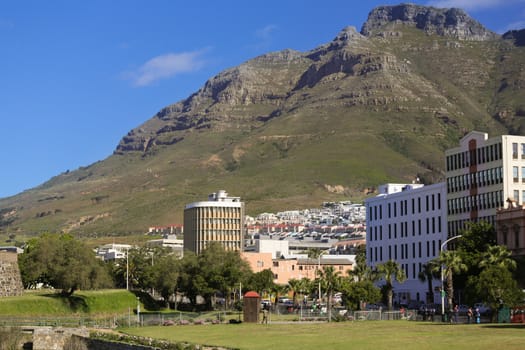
x=50, y=303
x=344, y=335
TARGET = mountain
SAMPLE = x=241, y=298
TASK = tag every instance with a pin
x=292, y=129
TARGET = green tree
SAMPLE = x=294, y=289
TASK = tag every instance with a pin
x=213, y=270
x=295, y=286
x=474, y=242
x=166, y=272
x=358, y=293
x=223, y=271
x=495, y=286
x=64, y=263
x=330, y=281
x=498, y=256
x=391, y=271
x=191, y=281
x=429, y=272
x=279, y=290
x=361, y=271
x=451, y=263
x=261, y=281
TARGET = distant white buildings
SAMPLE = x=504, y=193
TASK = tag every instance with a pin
x=112, y=251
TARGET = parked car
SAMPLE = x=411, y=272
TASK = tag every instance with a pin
x=266, y=304
x=483, y=309
x=463, y=309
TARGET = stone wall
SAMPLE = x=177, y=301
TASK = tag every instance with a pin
x=47, y=338
x=97, y=344
x=10, y=280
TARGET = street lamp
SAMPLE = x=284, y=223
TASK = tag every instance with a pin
x=138, y=311
x=443, y=245
x=127, y=269
x=318, y=273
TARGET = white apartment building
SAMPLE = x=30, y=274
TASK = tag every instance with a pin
x=481, y=175
x=407, y=223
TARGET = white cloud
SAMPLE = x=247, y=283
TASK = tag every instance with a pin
x=266, y=32
x=264, y=37
x=166, y=66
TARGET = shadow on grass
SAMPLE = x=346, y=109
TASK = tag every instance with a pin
x=75, y=303
x=506, y=325
x=145, y=298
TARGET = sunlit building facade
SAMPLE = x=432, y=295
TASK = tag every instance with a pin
x=219, y=219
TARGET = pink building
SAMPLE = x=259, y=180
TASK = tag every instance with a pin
x=297, y=267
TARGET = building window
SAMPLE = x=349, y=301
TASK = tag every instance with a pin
x=516, y=195
x=515, y=174
x=514, y=150
x=275, y=264
x=523, y=151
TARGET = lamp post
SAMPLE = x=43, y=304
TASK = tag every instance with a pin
x=443, y=245
x=138, y=311
x=318, y=274
x=127, y=269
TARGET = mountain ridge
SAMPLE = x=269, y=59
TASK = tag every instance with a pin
x=291, y=129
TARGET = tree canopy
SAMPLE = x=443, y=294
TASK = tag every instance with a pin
x=62, y=262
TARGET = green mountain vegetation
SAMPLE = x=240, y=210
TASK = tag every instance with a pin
x=292, y=129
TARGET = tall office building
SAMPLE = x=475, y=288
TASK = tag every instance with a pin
x=482, y=174
x=219, y=219
x=407, y=223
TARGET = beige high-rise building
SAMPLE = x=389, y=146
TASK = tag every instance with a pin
x=482, y=176
x=219, y=219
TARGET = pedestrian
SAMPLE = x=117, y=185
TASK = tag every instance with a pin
x=469, y=315
x=478, y=315
x=456, y=313
x=265, y=314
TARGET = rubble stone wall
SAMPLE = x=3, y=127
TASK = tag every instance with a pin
x=10, y=280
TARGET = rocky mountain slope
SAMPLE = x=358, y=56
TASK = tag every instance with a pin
x=292, y=129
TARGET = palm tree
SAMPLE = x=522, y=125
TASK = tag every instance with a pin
x=391, y=271
x=330, y=280
x=295, y=286
x=427, y=274
x=451, y=263
x=498, y=256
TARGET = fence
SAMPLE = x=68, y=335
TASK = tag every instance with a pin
x=109, y=322
x=378, y=315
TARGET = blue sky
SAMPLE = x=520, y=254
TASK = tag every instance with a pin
x=76, y=76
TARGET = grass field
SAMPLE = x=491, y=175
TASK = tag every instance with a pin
x=344, y=335
x=50, y=303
